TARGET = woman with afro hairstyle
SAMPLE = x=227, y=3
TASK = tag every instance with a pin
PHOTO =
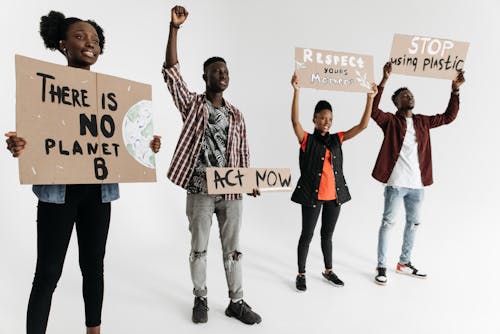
x=87, y=206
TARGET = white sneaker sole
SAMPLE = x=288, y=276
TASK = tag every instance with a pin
x=410, y=274
x=335, y=285
x=380, y=283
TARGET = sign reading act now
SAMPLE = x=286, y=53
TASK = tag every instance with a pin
x=81, y=126
x=233, y=180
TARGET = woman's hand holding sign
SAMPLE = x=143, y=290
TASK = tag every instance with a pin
x=15, y=144
x=155, y=144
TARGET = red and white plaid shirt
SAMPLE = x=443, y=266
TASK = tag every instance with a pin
x=194, y=112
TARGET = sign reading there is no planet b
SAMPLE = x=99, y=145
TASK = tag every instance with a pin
x=81, y=126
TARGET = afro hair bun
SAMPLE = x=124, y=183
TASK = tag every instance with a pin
x=52, y=29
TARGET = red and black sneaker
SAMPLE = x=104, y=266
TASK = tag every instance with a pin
x=409, y=269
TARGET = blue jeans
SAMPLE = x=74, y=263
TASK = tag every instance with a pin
x=56, y=193
x=412, y=199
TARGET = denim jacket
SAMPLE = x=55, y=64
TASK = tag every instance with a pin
x=55, y=193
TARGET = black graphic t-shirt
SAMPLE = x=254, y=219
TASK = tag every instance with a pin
x=213, y=148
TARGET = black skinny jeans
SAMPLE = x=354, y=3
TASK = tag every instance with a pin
x=83, y=207
x=329, y=216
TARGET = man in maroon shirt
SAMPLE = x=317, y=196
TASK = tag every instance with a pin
x=404, y=164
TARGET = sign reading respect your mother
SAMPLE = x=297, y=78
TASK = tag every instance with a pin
x=81, y=126
x=333, y=70
x=427, y=56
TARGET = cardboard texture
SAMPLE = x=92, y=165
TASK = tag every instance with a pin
x=427, y=56
x=333, y=70
x=81, y=127
x=244, y=180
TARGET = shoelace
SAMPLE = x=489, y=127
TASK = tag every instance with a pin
x=200, y=304
x=244, y=307
x=331, y=275
x=409, y=265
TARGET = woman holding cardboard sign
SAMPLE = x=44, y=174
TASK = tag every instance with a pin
x=61, y=206
x=321, y=186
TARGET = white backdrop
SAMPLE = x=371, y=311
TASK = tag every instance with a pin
x=148, y=289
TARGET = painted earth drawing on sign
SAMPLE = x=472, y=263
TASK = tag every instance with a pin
x=137, y=130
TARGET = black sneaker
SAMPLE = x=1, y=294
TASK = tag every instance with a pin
x=243, y=312
x=300, y=283
x=332, y=278
x=381, y=277
x=200, y=310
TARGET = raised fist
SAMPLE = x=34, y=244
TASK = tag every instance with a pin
x=179, y=14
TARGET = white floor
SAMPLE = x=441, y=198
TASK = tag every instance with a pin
x=148, y=288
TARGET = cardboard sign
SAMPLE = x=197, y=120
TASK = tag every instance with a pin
x=427, y=56
x=244, y=180
x=82, y=126
x=332, y=70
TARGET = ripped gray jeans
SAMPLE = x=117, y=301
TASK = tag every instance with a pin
x=199, y=210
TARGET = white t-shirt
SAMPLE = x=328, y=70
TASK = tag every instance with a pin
x=406, y=172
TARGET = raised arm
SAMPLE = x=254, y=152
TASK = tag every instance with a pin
x=182, y=96
x=363, y=123
x=378, y=115
x=457, y=82
x=452, y=110
x=387, y=70
x=297, y=127
x=178, y=16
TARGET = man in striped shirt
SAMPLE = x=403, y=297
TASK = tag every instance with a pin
x=213, y=135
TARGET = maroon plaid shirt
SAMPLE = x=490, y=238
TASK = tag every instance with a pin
x=194, y=112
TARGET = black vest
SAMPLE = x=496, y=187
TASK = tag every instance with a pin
x=311, y=165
